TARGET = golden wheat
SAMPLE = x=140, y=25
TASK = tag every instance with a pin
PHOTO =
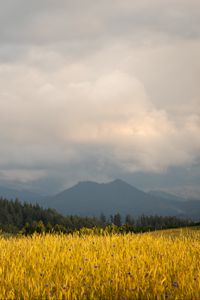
x=142, y=266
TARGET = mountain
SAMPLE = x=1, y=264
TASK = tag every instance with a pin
x=91, y=198
x=166, y=195
x=23, y=195
x=191, y=208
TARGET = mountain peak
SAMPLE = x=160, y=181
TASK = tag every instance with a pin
x=85, y=184
x=94, y=183
x=123, y=185
x=90, y=198
x=118, y=181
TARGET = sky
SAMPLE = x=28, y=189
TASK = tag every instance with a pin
x=97, y=90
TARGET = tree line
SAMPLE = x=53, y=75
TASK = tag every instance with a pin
x=28, y=218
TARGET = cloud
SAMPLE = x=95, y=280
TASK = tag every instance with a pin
x=92, y=89
x=81, y=27
x=48, y=118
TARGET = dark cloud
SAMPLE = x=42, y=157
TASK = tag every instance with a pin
x=50, y=22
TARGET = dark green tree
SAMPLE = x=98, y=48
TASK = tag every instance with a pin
x=117, y=220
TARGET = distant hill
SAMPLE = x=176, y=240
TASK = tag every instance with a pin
x=91, y=198
x=191, y=208
x=23, y=195
x=166, y=195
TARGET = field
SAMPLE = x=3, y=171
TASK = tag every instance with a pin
x=161, y=265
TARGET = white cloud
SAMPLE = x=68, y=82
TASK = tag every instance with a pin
x=110, y=87
x=47, y=117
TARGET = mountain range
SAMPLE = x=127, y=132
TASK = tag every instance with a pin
x=22, y=194
x=91, y=199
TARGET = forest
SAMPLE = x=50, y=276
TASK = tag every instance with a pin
x=25, y=218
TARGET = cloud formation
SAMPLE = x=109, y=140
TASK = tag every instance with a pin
x=91, y=90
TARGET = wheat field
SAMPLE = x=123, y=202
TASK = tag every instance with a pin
x=162, y=265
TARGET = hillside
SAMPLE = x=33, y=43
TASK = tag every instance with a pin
x=23, y=195
x=90, y=198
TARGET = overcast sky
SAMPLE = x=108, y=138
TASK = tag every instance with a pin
x=98, y=90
